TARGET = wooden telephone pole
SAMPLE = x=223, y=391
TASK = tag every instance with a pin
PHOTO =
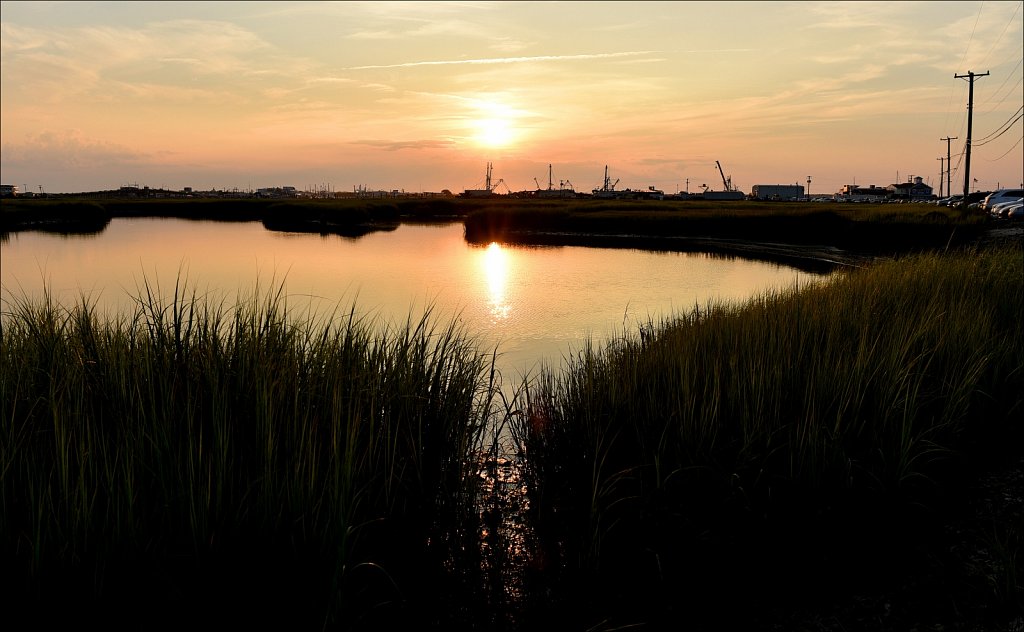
x=970, y=76
x=949, y=165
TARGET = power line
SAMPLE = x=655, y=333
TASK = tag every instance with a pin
x=998, y=39
x=962, y=59
x=973, y=29
x=1001, y=133
x=1011, y=90
x=1008, y=151
x=1002, y=129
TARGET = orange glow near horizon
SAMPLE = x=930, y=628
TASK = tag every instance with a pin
x=419, y=96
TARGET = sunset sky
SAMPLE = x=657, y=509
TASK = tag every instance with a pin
x=420, y=96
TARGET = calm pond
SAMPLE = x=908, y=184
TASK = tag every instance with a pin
x=533, y=304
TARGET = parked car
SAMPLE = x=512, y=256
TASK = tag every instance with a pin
x=1002, y=195
x=1015, y=211
x=999, y=210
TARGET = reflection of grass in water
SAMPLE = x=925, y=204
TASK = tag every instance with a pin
x=806, y=433
x=867, y=228
x=188, y=457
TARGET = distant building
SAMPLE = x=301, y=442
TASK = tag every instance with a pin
x=723, y=195
x=554, y=193
x=777, y=192
x=277, y=192
x=912, y=190
x=854, y=193
x=362, y=192
x=650, y=193
x=8, y=190
x=916, y=190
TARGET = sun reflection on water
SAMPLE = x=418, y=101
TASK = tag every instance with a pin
x=496, y=272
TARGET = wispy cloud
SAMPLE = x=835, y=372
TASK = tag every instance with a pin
x=406, y=144
x=68, y=149
x=506, y=60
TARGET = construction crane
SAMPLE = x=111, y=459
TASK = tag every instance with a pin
x=727, y=182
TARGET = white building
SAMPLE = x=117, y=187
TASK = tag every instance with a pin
x=916, y=190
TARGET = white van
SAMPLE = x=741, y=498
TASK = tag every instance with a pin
x=1002, y=195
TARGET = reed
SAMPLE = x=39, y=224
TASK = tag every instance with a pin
x=804, y=430
x=244, y=460
x=255, y=465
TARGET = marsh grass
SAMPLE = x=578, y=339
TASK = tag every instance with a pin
x=792, y=447
x=253, y=465
x=193, y=459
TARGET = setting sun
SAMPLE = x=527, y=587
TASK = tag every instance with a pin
x=494, y=133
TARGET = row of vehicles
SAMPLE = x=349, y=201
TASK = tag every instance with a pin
x=1003, y=203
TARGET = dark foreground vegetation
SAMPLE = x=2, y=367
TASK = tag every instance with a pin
x=843, y=457
x=839, y=457
x=188, y=464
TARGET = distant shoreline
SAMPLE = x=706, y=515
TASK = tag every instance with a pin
x=814, y=237
x=819, y=258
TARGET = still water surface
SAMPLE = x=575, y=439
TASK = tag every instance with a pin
x=533, y=304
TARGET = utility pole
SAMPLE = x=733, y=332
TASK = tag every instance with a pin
x=942, y=172
x=949, y=166
x=808, y=187
x=970, y=76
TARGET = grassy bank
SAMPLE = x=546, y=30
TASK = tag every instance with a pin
x=807, y=235
x=827, y=458
x=60, y=216
x=864, y=228
x=191, y=462
x=741, y=465
x=32, y=214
